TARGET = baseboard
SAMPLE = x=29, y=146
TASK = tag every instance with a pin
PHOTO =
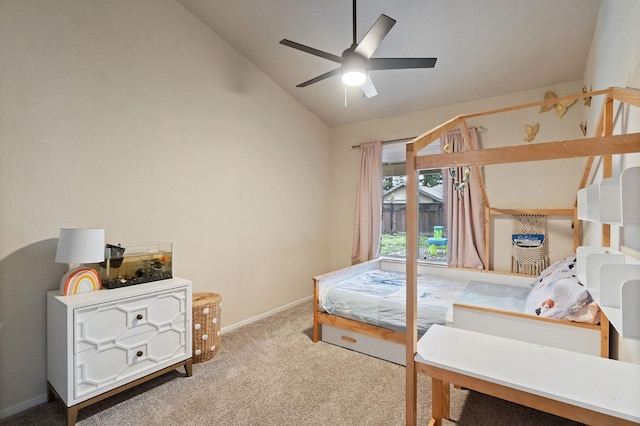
x=264, y=315
x=25, y=405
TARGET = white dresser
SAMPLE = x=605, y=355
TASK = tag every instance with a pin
x=103, y=342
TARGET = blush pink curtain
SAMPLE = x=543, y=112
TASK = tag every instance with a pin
x=368, y=218
x=465, y=209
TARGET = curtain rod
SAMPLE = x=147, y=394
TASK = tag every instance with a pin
x=352, y=147
x=480, y=129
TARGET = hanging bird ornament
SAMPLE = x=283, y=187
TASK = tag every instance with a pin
x=460, y=184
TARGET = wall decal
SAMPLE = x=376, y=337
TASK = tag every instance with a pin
x=560, y=107
x=563, y=106
x=531, y=131
x=587, y=101
x=548, y=107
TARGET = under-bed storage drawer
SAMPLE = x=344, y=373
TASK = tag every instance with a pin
x=378, y=348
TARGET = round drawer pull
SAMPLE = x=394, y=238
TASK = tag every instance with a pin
x=139, y=316
x=139, y=353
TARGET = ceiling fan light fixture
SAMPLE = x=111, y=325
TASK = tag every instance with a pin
x=354, y=68
x=354, y=77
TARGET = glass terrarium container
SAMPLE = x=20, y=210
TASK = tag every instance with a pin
x=139, y=263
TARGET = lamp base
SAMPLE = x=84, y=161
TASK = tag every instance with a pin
x=80, y=280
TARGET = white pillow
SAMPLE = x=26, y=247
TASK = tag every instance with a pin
x=557, y=292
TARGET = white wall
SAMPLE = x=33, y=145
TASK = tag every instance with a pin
x=136, y=117
x=554, y=188
x=614, y=60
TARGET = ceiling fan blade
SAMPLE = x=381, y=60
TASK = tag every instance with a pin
x=368, y=88
x=311, y=50
x=400, y=63
x=374, y=36
x=320, y=77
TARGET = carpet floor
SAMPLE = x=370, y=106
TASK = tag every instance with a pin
x=271, y=373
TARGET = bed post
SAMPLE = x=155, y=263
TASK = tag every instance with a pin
x=605, y=329
x=316, y=323
x=411, y=270
x=607, y=161
x=477, y=172
x=607, y=172
x=487, y=237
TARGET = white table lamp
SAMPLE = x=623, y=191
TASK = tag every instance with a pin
x=77, y=246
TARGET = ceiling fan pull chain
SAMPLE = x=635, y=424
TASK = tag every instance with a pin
x=345, y=95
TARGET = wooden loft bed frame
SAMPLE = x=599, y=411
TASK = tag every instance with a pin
x=604, y=144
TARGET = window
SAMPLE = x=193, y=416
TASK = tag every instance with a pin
x=432, y=229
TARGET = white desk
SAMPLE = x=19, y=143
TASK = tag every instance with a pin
x=580, y=387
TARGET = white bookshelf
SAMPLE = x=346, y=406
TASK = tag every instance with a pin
x=614, y=201
x=613, y=279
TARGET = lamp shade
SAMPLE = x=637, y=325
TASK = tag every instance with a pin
x=80, y=245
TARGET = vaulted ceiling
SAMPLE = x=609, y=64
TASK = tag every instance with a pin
x=484, y=48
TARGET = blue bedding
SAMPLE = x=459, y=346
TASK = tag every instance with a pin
x=379, y=298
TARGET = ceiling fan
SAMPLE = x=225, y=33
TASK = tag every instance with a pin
x=356, y=60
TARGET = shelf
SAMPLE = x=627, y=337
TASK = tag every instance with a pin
x=589, y=259
x=613, y=280
x=631, y=317
x=620, y=297
x=613, y=201
x=630, y=182
x=589, y=203
x=610, y=201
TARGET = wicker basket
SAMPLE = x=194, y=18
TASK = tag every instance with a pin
x=206, y=325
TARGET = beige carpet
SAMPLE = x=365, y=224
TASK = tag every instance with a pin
x=270, y=373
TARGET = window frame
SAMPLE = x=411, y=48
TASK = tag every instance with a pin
x=397, y=168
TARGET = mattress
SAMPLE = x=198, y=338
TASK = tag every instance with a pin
x=379, y=298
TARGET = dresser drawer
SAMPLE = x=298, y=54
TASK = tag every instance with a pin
x=102, y=325
x=119, y=341
x=127, y=359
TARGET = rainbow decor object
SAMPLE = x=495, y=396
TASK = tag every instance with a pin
x=80, y=280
